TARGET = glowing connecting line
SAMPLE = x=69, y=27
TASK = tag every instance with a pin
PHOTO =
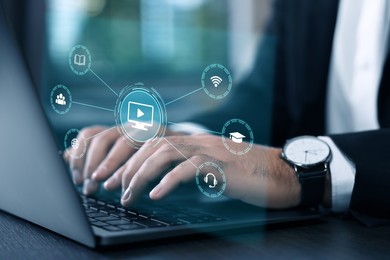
x=80, y=62
x=140, y=116
x=102, y=132
x=97, y=107
x=186, y=95
x=103, y=82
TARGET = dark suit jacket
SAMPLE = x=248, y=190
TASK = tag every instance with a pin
x=293, y=60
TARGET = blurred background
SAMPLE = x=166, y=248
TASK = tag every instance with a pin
x=166, y=44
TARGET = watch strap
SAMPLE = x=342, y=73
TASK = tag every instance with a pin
x=312, y=187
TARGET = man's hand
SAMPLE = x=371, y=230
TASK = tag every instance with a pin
x=259, y=177
x=106, y=152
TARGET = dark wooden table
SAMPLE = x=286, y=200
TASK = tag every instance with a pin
x=330, y=237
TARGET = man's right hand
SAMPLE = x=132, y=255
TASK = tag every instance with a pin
x=106, y=152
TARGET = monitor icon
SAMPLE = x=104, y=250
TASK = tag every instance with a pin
x=141, y=115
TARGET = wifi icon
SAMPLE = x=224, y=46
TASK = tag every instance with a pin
x=216, y=80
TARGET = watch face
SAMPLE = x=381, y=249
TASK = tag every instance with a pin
x=306, y=150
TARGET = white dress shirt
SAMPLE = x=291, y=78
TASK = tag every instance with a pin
x=359, y=49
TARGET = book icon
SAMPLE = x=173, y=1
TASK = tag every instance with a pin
x=79, y=59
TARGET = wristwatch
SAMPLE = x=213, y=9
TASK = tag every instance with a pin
x=310, y=157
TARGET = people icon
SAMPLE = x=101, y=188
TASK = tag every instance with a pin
x=61, y=100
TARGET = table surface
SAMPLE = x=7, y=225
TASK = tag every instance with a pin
x=325, y=238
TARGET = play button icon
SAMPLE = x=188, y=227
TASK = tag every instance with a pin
x=140, y=113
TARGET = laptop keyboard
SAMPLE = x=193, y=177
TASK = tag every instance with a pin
x=113, y=217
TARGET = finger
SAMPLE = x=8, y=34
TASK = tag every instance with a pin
x=77, y=175
x=90, y=187
x=138, y=159
x=183, y=173
x=76, y=160
x=115, y=181
x=77, y=164
x=118, y=154
x=135, y=162
x=66, y=156
x=97, y=151
x=153, y=167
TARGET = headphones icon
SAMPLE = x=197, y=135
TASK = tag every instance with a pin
x=215, y=181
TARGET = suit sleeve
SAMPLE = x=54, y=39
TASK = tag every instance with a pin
x=370, y=151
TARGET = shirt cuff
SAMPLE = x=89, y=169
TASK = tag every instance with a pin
x=342, y=172
x=188, y=128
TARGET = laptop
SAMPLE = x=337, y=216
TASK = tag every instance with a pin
x=36, y=185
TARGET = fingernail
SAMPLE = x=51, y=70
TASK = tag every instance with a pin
x=155, y=192
x=108, y=183
x=85, y=187
x=95, y=175
x=126, y=196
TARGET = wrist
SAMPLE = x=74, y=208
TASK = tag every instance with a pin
x=285, y=191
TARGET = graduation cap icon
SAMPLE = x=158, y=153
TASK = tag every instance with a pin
x=236, y=137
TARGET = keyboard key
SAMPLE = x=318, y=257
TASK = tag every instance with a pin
x=91, y=200
x=149, y=223
x=130, y=226
x=100, y=207
x=131, y=218
x=118, y=222
x=96, y=214
x=119, y=214
x=132, y=212
x=108, y=218
x=170, y=221
x=103, y=213
x=111, y=228
x=111, y=206
x=99, y=224
x=110, y=210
